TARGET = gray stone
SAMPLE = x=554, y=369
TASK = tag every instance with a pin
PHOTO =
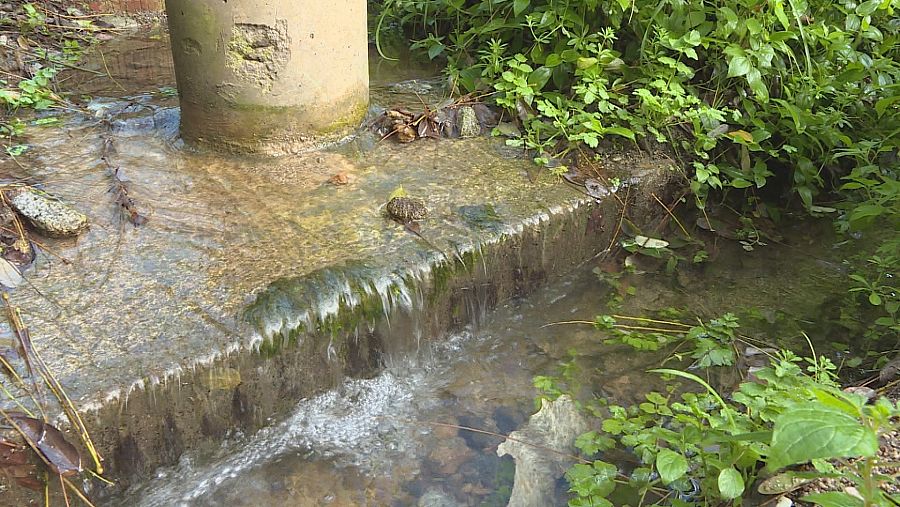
x=46, y=213
x=437, y=498
x=555, y=426
x=469, y=125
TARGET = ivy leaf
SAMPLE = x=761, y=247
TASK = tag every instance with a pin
x=731, y=483
x=806, y=433
x=670, y=465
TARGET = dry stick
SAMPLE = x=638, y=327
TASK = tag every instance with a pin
x=21, y=382
x=108, y=73
x=621, y=220
x=64, y=64
x=62, y=486
x=25, y=344
x=669, y=211
x=644, y=319
x=77, y=492
x=54, y=385
x=43, y=247
x=617, y=326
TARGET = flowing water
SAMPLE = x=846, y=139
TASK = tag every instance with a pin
x=395, y=439
x=405, y=435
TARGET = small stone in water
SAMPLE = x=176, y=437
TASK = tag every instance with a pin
x=46, y=213
x=407, y=209
x=340, y=179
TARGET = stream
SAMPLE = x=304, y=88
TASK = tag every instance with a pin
x=396, y=438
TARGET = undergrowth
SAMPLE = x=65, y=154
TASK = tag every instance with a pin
x=40, y=50
x=746, y=91
x=693, y=445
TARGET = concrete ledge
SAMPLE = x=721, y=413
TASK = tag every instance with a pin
x=256, y=283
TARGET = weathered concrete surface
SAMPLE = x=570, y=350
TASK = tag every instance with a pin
x=270, y=77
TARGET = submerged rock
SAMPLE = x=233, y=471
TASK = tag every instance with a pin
x=469, y=126
x=46, y=213
x=407, y=209
x=436, y=497
x=555, y=426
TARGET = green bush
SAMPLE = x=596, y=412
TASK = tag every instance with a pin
x=746, y=90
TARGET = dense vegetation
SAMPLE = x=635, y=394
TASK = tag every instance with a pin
x=770, y=104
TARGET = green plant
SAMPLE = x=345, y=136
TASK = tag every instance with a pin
x=698, y=449
x=750, y=92
x=708, y=344
x=34, y=19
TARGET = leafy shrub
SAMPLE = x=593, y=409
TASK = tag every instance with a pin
x=747, y=89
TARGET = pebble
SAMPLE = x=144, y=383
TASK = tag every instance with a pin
x=46, y=213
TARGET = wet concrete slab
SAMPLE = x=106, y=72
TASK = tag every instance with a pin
x=256, y=282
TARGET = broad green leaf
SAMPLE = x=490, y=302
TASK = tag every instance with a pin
x=865, y=211
x=670, y=465
x=435, y=50
x=552, y=60
x=731, y=483
x=817, y=431
x=645, y=242
x=868, y=8
x=519, y=6
x=883, y=104
x=833, y=499
x=779, y=13
x=586, y=63
x=739, y=66
x=620, y=131
x=754, y=79
x=539, y=77
x=742, y=135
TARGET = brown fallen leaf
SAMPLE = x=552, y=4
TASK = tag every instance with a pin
x=339, y=179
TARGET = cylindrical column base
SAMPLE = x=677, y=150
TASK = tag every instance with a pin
x=269, y=76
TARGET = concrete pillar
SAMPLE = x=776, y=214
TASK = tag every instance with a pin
x=269, y=76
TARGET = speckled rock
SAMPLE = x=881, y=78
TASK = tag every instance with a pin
x=407, y=209
x=469, y=125
x=46, y=213
x=555, y=426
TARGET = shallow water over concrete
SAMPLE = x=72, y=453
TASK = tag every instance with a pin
x=255, y=282
x=139, y=301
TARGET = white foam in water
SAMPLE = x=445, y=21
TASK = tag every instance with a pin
x=354, y=421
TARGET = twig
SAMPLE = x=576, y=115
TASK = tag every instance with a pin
x=108, y=73
x=55, y=387
x=669, y=211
